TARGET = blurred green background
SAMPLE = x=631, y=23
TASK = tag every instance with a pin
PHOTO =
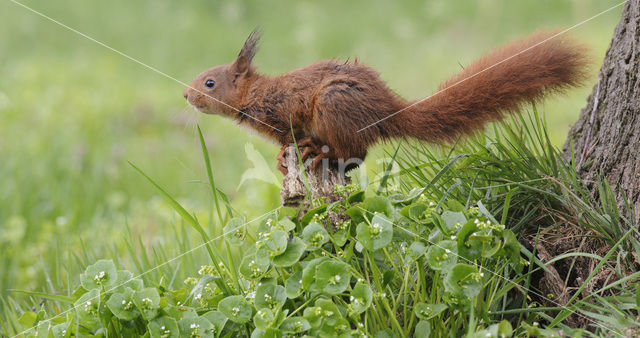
x=72, y=113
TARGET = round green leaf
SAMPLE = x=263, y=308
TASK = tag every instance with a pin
x=378, y=204
x=234, y=231
x=270, y=296
x=468, y=247
x=293, y=285
x=361, y=298
x=428, y=311
x=126, y=280
x=291, y=255
x=195, y=327
x=276, y=242
x=101, y=274
x=263, y=318
x=453, y=219
x=333, y=277
x=122, y=305
x=309, y=274
x=295, y=325
x=164, y=327
x=442, y=256
x=464, y=279
x=415, y=251
x=236, y=308
x=88, y=304
x=315, y=236
x=376, y=235
x=253, y=268
x=148, y=302
x=217, y=319
x=423, y=329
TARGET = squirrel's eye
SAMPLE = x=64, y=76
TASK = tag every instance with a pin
x=209, y=83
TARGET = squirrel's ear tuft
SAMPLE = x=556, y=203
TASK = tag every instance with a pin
x=243, y=61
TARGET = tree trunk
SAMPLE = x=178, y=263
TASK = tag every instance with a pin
x=606, y=138
x=321, y=183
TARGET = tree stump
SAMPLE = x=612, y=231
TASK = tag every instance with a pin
x=606, y=138
x=321, y=183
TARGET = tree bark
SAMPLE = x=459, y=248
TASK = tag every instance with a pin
x=606, y=138
x=321, y=183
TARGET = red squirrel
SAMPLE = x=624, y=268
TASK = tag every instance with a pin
x=347, y=107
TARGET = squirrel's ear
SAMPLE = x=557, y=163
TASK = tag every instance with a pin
x=242, y=64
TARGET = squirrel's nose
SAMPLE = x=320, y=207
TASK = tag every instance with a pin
x=185, y=93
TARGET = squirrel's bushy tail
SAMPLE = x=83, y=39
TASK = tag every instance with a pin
x=498, y=83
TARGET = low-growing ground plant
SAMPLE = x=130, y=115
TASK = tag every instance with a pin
x=407, y=262
x=402, y=265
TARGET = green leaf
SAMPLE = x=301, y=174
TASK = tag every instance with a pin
x=295, y=325
x=512, y=249
x=122, y=305
x=376, y=235
x=309, y=274
x=27, y=320
x=291, y=255
x=469, y=248
x=416, y=211
x=87, y=305
x=423, y=329
x=356, y=197
x=356, y=214
x=268, y=333
x=325, y=311
x=43, y=329
x=340, y=237
x=293, y=285
x=270, y=296
x=427, y=311
x=163, y=327
x=312, y=213
x=378, y=204
x=263, y=318
x=276, y=242
x=361, y=298
x=333, y=277
x=148, y=302
x=442, y=256
x=218, y=319
x=195, y=327
x=453, y=219
x=236, y=308
x=126, y=280
x=60, y=330
x=101, y=274
x=253, y=268
x=315, y=236
x=415, y=251
x=465, y=280
x=234, y=231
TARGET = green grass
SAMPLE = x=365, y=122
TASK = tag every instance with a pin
x=73, y=114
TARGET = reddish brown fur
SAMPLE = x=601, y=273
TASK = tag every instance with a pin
x=330, y=101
